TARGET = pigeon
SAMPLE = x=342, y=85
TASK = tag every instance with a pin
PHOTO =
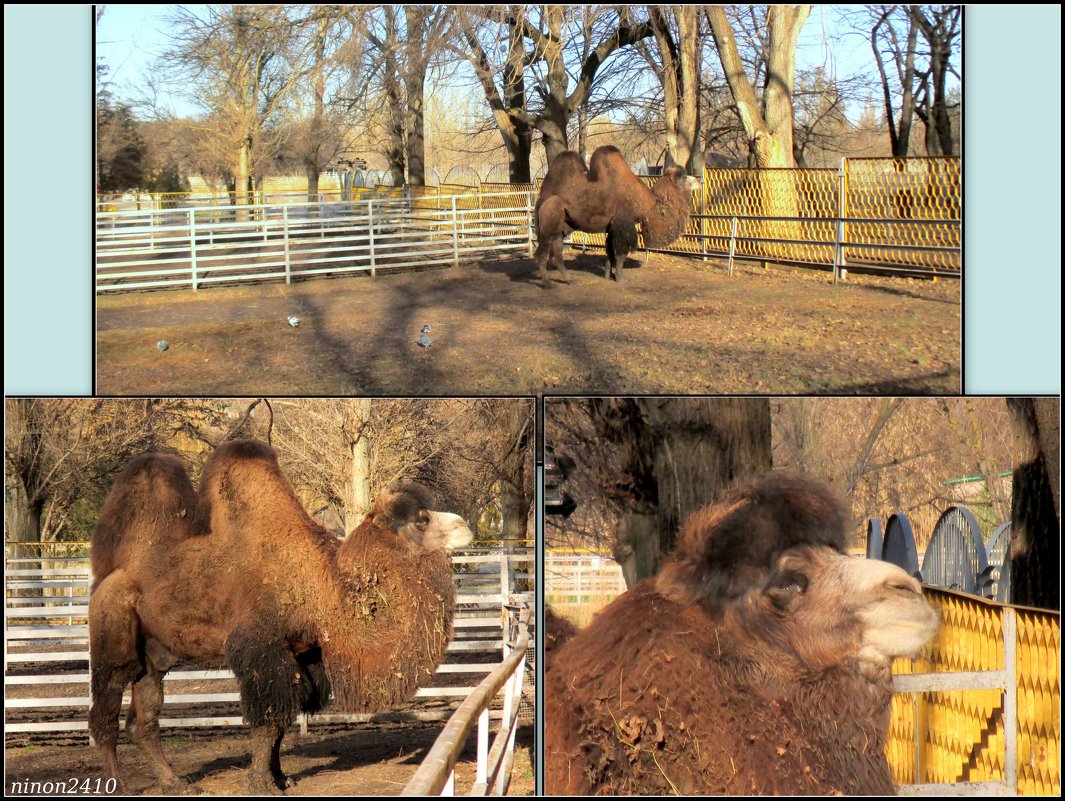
x=162, y=344
x=294, y=321
x=423, y=340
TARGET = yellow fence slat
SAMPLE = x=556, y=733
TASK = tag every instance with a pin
x=959, y=736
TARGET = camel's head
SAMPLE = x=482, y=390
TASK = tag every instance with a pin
x=683, y=182
x=772, y=556
x=406, y=509
x=825, y=607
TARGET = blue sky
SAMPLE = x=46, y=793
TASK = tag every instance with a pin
x=130, y=36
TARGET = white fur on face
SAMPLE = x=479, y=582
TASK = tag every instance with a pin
x=897, y=621
x=447, y=530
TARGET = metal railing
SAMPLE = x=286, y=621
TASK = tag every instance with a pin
x=436, y=774
x=194, y=247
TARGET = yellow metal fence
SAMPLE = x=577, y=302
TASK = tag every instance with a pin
x=954, y=736
x=902, y=213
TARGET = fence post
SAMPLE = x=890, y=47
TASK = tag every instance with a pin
x=838, y=251
x=373, y=260
x=704, y=224
x=732, y=244
x=455, y=230
x=192, y=247
x=529, y=208
x=504, y=590
x=1009, y=697
x=288, y=261
x=843, y=189
x=482, y=747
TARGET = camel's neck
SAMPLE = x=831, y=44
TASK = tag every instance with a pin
x=392, y=625
x=667, y=216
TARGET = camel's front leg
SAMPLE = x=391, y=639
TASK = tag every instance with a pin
x=266, y=776
x=274, y=689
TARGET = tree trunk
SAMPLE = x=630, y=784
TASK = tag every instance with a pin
x=769, y=125
x=311, y=170
x=680, y=80
x=312, y=164
x=512, y=497
x=520, y=151
x=416, y=65
x=679, y=455
x=243, y=177
x=359, y=423
x=416, y=130
x=1035, y=537
x=22, y=518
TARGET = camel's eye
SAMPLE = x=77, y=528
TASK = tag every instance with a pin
x=786, y=587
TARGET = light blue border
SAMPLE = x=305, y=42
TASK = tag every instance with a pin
x=1012, y=203
x=1012, y=163
x=48, y=336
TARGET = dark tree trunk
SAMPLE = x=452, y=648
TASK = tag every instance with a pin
x=417, y=34
x=520, y=152
x=416, y=130
x=678, y=455
x=514, y=501
x=395, y=147
x=1035, y=545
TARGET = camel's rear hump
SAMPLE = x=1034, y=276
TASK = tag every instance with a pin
x=151, y=501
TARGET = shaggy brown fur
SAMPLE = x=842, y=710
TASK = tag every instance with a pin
x=607, y=197
x=686, y=684
x=240, y=576
x=557, y=630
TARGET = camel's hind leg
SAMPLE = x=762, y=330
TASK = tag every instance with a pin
x=550, y=227
x=557, y=247
x=114, y=653
x=142, y=724
x=620, y=241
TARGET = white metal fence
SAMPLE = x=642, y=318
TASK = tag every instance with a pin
x=436, y=774
x=195, y=247
x=577, y=585
x=46, y=659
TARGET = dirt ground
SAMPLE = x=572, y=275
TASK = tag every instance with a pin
x=675, y=325
x=332, y=760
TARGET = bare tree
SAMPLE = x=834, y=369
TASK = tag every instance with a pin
x=241, y=63
x=406, y=44
x=550, y=32
x=62, y=452
x=941, y=28
x=319, y=131
x=767, y=121
x=913, y=47
x=678, y=66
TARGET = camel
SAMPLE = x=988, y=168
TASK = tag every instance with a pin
x=607, y=197
x=758, y=661
x=238, y=576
